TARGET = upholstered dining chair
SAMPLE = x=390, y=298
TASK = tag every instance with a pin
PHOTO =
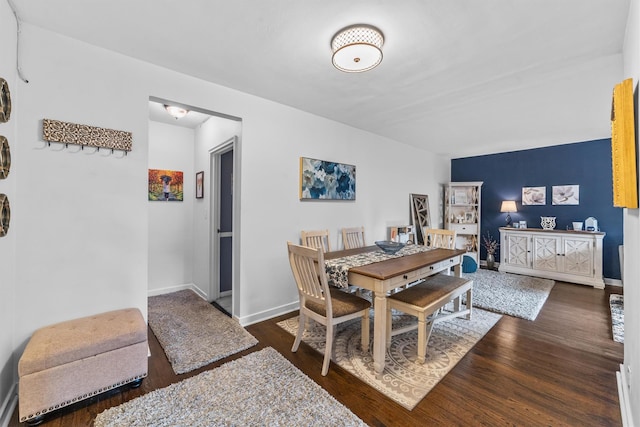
x=318, y=239
x=353, y=237
x=439, y=238
x=327, y=306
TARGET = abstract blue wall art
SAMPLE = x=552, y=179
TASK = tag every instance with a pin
x=323, y=180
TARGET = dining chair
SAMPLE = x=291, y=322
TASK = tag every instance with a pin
x=353, y=237
x=326, y=305
x=439, y=238
x=318, y=239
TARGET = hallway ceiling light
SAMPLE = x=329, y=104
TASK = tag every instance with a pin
x=357, y=48
x=177, y=112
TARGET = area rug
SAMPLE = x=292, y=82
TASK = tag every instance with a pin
x=403, y=380
x=616, y=302
x=512, y=294
x=260, y=389
x=192, y=332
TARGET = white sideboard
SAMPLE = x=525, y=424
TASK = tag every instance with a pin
x=569, y=256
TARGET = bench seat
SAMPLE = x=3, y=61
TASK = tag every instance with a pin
x=424, y=301
x=77, y=359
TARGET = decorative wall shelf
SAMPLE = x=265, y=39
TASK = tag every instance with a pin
x=85, y=135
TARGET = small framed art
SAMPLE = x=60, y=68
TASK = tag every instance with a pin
x=200, y=185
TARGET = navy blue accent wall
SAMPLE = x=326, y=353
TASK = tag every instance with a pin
x=587, y=164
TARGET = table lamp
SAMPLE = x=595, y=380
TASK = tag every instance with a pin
x=508, y=206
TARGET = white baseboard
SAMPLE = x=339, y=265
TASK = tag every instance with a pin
x=8, y=406
x=268, y=314
x=612, y=282
x=623, y=396
x=169, y=289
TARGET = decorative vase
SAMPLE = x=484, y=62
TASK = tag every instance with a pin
x=548, y=222
x=490, y=261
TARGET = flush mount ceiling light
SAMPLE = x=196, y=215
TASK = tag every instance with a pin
x=177, y=112
x=357, y=48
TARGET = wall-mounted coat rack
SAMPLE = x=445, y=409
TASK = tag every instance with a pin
x=85, y=135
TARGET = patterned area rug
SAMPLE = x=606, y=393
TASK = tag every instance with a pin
x=512, y=294
x=192, y=332
x=403, y=380
x=260, y=389
x=616, y=302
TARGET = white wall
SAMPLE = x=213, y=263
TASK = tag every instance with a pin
x=8, y=312
x=82, y=219
x=171, y=223
x=212, y=133
x=632, y=236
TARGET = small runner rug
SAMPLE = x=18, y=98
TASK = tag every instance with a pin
x=259, y=389
x=512, y=294
x=403, y=380
x=616, y=302
x=192, y=332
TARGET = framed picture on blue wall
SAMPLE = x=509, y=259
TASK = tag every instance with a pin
x=534, y=196
x=565, y=195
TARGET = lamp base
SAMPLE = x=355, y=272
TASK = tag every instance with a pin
x=509, y=222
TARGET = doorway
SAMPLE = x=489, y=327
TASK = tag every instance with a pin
x=222, y=227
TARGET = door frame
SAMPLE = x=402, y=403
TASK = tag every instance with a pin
x=214, y=243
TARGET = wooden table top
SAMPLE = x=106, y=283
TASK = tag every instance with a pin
x=387, y=269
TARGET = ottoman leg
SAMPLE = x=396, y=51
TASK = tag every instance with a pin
x=35, y=421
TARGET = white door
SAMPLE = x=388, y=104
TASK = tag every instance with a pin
x=578, y=256
x=517, y=250
x=546, y=253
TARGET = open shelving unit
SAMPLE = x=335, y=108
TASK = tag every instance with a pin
x=462, y=214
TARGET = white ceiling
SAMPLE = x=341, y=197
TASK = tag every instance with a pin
x=459, y=77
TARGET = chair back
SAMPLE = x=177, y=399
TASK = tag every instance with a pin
x=353, y=237
x=318, y=239
x=439, y=238
x=307, y=265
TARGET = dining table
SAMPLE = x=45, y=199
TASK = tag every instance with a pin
x=385, y=274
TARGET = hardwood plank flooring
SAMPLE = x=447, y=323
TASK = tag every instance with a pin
x=558, y=370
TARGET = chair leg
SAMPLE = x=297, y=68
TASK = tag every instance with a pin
x=422, y=341
x=365, y=330
x=389, y=328
x=301, y=327
x=328, y=348
x=425, y=327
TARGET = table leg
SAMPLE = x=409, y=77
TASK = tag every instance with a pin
x=379, y=331
x=457, y=269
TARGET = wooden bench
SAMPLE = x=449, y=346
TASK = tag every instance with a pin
x=424, y=301
x=77, y=359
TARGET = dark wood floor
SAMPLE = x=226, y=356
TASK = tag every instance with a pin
x=558, y=370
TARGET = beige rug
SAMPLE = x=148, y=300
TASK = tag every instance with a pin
x=403, y=380
x=192, y=332
x=507, y=293
x=259, y=389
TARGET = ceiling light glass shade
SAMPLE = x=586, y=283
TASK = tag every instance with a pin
x=357, y=48
x=177, y=112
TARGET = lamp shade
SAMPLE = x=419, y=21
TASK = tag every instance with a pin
x=508, y=206
x=357, y=48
